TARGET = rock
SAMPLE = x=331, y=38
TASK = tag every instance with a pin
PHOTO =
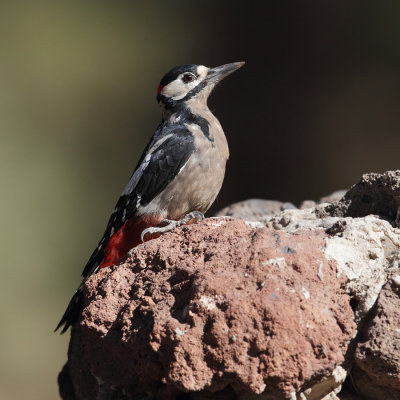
x=254, y=209
x=365, y=249
x=331, y=385
x=369, y=389
x=378, y=352
x=374, y=194
x=307, y=204
x=277, y=306
x=261, y=210
x=215, y=306
x=333, y=197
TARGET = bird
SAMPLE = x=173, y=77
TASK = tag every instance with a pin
x=177, y=178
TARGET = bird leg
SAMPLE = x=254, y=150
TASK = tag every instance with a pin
x=169, y=224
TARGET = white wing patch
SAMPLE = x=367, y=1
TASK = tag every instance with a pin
x=136, y=176
x=157, y=144
x=183, y=166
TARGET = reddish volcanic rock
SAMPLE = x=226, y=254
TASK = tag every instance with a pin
x=227, y=309
x=377, y=356
x=214, y=306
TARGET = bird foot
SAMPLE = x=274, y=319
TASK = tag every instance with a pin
x=169, y=224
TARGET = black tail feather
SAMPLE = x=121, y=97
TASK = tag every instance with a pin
x=72, y=312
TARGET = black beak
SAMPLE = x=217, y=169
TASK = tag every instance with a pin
x=218, y=73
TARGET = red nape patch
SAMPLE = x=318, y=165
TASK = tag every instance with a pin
x=128, y=237
x=159, y=89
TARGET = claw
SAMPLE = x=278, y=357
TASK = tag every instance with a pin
x=159, y=229
x=199, y=216
x=142, y=235
x=171, y=224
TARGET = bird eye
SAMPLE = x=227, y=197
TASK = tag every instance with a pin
x=188, y=78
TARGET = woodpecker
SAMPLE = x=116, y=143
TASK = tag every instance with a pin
x=177, y=177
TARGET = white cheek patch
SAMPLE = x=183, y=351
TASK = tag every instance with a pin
x=177, y=89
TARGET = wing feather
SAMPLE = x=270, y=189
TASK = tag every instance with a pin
x=162, y=160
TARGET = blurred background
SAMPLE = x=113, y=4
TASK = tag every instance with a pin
x=316, y=105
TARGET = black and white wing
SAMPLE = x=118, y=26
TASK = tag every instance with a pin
x=163, y=158
x=161, y=161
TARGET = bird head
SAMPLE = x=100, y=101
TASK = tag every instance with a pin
x=191, y=82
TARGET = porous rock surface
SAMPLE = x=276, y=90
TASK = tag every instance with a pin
x=377, y=357
x=280, y=307
x=255, y=209
x=374, y=194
